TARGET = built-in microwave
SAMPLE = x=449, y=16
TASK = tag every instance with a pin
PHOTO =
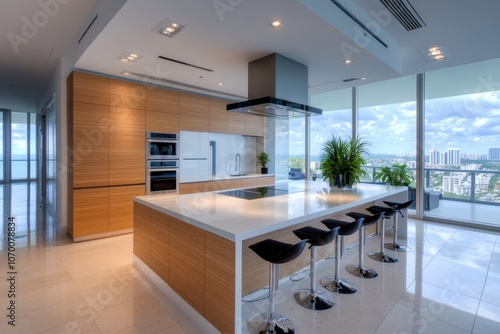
x=162, y=176
x=162, y=146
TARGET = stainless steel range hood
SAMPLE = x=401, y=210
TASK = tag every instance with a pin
x=277, y=87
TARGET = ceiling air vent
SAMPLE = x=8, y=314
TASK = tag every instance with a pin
x=405, y=13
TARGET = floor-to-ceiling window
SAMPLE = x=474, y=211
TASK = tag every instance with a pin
x=1, y=146
x=387, y=120
x=23, y=152
x=462, y=138
x=336, y=120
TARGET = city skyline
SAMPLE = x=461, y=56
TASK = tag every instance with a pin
x=470, y=122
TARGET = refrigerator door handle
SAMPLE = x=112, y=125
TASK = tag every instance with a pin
x=213, y=162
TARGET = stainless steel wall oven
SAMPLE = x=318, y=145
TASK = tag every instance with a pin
x=162, y=164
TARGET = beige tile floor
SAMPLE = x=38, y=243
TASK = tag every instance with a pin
x=448, y=283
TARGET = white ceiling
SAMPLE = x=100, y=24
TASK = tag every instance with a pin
x=315, y=33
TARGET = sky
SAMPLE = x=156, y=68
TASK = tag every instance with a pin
x=468, y=122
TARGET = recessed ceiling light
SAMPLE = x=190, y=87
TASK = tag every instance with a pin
x=221, y=84
x=276, y=23
x=347, y=61
x=435, y=53
x=169, y=28
x=127, y=73
x=130, y=57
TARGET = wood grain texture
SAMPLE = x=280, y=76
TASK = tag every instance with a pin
x=89, y=157
x=218, y=125
x=220, y=283
x=124, y=94
x=90, y=211
x=194, y=105
x=217, y=108
x=143, y=228
x=127, y=150
x=157, y=121
x=88, y=88
x=236, y=127
x=187, y=263
x=121, y=206
x=160, y=255
x=194, y=187
x=162, y=100
x=194, y=123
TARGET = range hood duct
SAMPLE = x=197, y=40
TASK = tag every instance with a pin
x=274, y=82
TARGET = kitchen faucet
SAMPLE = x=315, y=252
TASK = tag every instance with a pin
x=237, y=163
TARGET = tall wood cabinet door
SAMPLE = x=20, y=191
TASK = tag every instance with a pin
x=187, y=263
x=89, y=154
x=121, y=206
x=194, y=105
x=162, y=110
x=90, y=211
x=123, y=94
x=88, y=88
x=127, y=148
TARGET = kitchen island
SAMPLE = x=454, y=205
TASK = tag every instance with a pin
x=198, y=243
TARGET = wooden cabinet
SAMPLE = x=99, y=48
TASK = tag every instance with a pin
x=127, y=152
x=194, y=115
x=254, y=125
x=121, y=206
x=187, y=263
x=162, y=110
x=88, y=88
x=124, y=94
x=90, y=211
x=90, y=145
x=106, y=151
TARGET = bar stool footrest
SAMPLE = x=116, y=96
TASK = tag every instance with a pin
x=396, y=247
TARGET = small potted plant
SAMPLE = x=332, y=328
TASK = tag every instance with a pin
x=262, y=160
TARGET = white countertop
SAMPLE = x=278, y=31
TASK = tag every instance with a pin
x=235, y=177
x=237, y=219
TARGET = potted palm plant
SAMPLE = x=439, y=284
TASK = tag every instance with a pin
x=262, y=160
x=342, y=160
x=396, y=175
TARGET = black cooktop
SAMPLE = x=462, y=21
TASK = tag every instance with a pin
x=262, y=192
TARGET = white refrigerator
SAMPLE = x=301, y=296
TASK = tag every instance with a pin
x=194, y=157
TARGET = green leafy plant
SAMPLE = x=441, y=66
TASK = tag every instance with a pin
x=343, y=157
x=396, y=175
x=263, y=159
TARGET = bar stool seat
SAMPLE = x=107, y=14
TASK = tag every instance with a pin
x=395, y=246
x=387, y=214
x=312, y=299
x=338, y=284
x=275, y=252
x=361, y=270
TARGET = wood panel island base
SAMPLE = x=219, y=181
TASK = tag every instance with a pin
x=198, y=243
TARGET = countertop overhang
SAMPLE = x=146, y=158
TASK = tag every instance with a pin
x=239, y=219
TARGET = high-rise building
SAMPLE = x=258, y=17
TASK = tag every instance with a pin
x=434, y=156
x=443, y=159
x=494, y=154
x=451, y=184
x=454, y=156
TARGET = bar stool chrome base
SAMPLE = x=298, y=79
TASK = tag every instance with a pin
x=339, y=286
x=382, y=257
x=313, y=301
x=361, y=271
x=396, y=247
x=279, y=324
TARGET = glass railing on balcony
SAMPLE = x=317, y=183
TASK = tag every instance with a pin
x=476, y=186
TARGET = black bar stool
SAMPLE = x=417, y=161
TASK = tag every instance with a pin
x=395, y=246
x=387, y=214
x=337, y=284
x=312, y=299
x=276, y=252
x=360, y=270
